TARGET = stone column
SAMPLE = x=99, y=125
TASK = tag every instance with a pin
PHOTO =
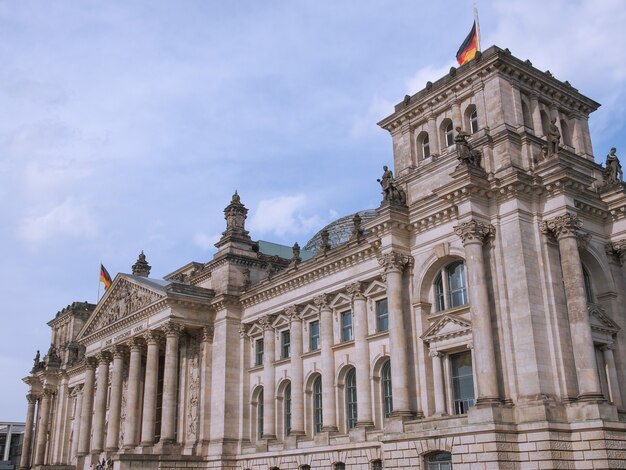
x=362, y=351
x=115, y=407
x=87, y=408
x=7, y=443
x=438, y=385
x=42, y=429
x=269, y=379
x=394, y=264
x=102, y=388
x=170, y=382
x=457, y=119
x=611, y=373
x=329, y=419
x=208, y=333
x=297, y=372
x=150, y=388
x=566, y=229
x=133, y=393
x=28, y=431
x=78, y=394
x=433, y=136
x=536, y=115
x=473, y=234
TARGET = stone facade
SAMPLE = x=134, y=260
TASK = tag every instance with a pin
x=475, y=320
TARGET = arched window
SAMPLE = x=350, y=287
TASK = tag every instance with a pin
x=317, y=404
x=274, y=468
x=450, y=287
x=386, y=389
x=376, y=464
x=528, y=120
x=351, y=408
x=449, y=134
x=305, y=467
x=287, y=404
x=259, y=415
x=473, y=121
x=339, y=466
x=588, y=289
x=426, y=147
x=439, y=461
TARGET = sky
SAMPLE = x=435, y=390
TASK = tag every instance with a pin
x=127, y=126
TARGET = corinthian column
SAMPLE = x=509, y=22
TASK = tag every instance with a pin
x=394, y=264
x=133, y=393
x=170, y=380
x=473, y=234
x=566, y=229
x=28, y=431
x=611, y=374
x=115, y=408
x=297, y=371
x=328, y=364
x=87, y=408
x=440, y=399
x=150, y=388
x=97, y=442
x=42, y=429
x=269, y=379
x=78, y=394
x=364, y=395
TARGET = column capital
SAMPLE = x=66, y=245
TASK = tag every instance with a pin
x=394, y=261
x=207, y=334
x=152, y=336
x=321, y=302
x=608, y=347
x=47, y=393
x=135, y=343
x=435, y=353
x=617, y=249
x=266, y=321
x=103, y=357
x=244, y=328
x=356, y=290
x=293, y=313
x=562, y=226
x=91, y=362
x=31, y=398
x=474, y=232
x=119, y=351
x=172, y=329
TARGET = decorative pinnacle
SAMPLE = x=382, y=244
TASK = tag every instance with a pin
x=141, y=267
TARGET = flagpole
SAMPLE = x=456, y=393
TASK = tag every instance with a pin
x=477, y=24
x=99, y=271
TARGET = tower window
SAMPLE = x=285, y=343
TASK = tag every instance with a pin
x=473, y=119
x=449, y=134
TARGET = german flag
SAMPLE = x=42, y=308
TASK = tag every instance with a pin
x=468, y=49
x=105, y=277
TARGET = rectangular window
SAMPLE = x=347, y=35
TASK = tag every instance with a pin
x=462, y=382
x=285, y=344
x=314, y=335
x=346, y=326
x=382, y=315
x=258, y=352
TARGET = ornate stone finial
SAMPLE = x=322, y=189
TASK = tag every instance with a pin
x=357, y=231
x=356, y=290
x=464, y=151
x=325, y=247
x=474, y=231
x=235, y=215
x=269, y=269
x=391, y=192
x=407, y=100
x=141, y=267
x=613, y=173
x=295, y=259
x=567, y=225
x=393, y=262
x=321, y=302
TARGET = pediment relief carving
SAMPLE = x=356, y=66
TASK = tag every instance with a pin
x=124, y=299
x=600, y=321
x=448, y=326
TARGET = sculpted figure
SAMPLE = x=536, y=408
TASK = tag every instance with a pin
x=554, y=138
x=37, y=358
x=465, y=153
x=613, y=173
x=390, y=191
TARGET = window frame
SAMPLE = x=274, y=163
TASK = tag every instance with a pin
x=314, y=338
x=285, y=346
x=260, y=411
x=346, y=320
x=318, y=404
x=444, y=292
x=287, y=409
x=352, y=412
x=386, y=389
x=473, y=121
x=460, y=404
x=448, y=134
x=382, y=317
x=259, y=352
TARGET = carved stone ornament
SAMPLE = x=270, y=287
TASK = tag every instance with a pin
x=141, y=267
x=208, y=332
x=90, y=362
x=31, y=398
x=617, y=249
x=613, y=173
x=266, y=321
x=235, y=215
x=356, y=290
x=394, y=261
x=474, y=231
x=293, y=313
x=321, y=302
x=566, y=225
x=465, y=153
x=172, y=329
x=295, y=259
x=124, y=300
x=357, y=231
x=391, y=192
x=435, y=353
x=243, y=330
x=135, y=343
x=152, y=336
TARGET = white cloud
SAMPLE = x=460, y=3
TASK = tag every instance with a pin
x=366, y=124
x=285, y=215
x=428, y=73
x=206, y=242
x=70, y=219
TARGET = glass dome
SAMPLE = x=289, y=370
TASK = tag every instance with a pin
x=339, y=231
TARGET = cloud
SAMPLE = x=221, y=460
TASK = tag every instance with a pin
x=428, y=73
x=69, y=219
x=285, y=215
x=206, y=242
x=366, y=124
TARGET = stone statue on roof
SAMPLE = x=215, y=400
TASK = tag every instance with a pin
x=465, y=153
x=391, y=192
x=613, y=173
x=554, y=138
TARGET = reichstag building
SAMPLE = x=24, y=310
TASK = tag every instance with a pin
x=474, y=320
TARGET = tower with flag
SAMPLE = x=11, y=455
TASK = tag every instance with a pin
x=471, y=44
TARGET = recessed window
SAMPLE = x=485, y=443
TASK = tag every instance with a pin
x=346, y=326
x=588, y=289
x=317, y=404
x=351, y=403
x=314, y=335
x=386, y=389
x=305, y=467
x=376, y=464
x=426, y=147
x=285, y=344
x=473, y=120
x=439, y=461
x=259, y=412
x=462, y=382
x=258, y=352
x=382, y=315
x=449, y=134
x=339, y=466
x=287, y=399
x=450, y=287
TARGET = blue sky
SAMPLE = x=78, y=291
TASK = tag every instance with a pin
x=126, y=126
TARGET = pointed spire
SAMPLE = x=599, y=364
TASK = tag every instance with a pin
x=141, y=267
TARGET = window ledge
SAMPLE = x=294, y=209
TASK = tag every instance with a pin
x=255, y=368
x=377, y=335
x=342, y=345
x=311, y=353
x=450, y=311
x=282, y=360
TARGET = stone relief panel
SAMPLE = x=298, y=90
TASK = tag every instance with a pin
x=126, y=299
x=124, y=407
x=193, y=387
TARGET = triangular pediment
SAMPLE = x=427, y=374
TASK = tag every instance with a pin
x=125, y=297
x=340, y=302
x=600, y=321
x=375, y=288
x=447, y=326
x=309, y=310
